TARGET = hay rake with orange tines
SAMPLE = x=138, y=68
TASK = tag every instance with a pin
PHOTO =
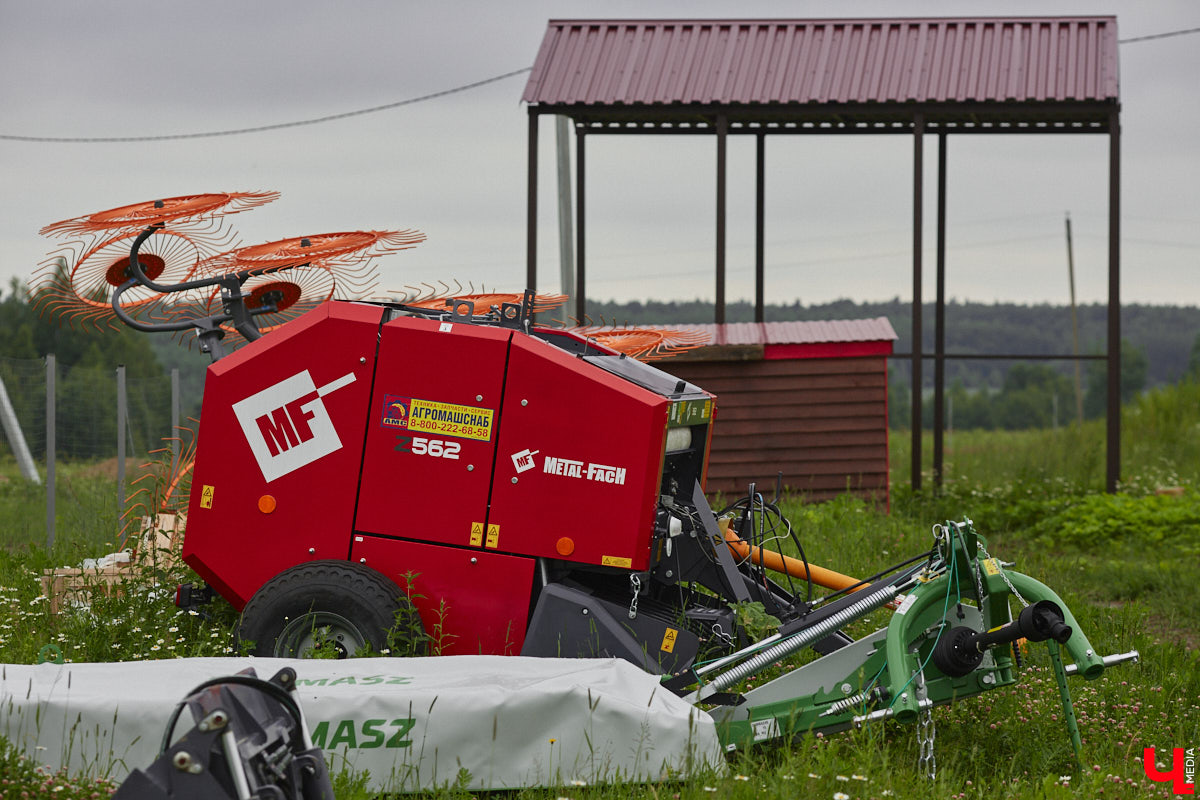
x=162, y=266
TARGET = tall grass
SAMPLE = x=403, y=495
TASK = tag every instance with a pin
x=1160, y=446
x=87, y=511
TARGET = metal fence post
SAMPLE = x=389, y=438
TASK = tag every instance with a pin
x=120, y=440
x=50, y=448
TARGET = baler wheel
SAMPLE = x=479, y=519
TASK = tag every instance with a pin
x=336, y=604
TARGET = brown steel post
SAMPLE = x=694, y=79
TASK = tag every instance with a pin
x=939, y=342
x=918, y=177
x=531, y=210
x=722, y=135
x=580, y=263
x=759, y=226
x=1113, y=471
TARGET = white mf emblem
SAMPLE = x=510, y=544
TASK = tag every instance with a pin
x=287, y=426
x=523, y=460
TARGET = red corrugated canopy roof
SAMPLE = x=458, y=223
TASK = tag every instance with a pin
x=752, y=62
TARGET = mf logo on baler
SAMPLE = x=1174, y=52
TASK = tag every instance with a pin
x=287, y=426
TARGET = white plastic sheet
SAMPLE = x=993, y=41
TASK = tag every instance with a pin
x=484, y=722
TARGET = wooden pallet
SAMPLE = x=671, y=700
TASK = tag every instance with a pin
x=157, y=547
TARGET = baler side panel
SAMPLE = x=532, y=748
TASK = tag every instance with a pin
x=431, y=431
x=277, y=462
x=578, y=459
x=471, y=602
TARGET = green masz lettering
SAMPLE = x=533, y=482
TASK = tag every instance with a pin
x=373, y=734
x=350, y=680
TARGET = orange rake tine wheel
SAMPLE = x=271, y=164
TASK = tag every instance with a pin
x=485, y=300
x=645, y=344
x=81, y=293
x=176, y=210
x=325, y=249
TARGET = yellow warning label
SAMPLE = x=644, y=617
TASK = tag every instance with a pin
x=493, y=537
x=448, y=419
x=668, y=645
x=616, y=561
x=206, y=496
x=476, y=534
x=990, y=567
x=707, y=409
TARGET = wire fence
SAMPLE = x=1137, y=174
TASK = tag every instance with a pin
x=96, y=416
x=86, y=411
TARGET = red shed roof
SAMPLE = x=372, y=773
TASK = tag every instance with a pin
x=798, y=339
x=826, y=61
x=797, y=332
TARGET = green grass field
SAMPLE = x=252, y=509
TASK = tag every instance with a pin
x=1125, y=564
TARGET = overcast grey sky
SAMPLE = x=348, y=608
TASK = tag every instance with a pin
x=839, y=208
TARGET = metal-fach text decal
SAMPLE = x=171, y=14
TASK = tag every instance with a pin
x=573, y=468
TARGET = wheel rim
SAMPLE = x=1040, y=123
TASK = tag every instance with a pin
x=317, y=633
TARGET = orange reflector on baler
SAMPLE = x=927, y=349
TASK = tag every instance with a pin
x=266, y=504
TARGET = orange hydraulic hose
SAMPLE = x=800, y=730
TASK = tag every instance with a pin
x=791, y=566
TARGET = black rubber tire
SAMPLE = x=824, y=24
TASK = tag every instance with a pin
x=347, y=604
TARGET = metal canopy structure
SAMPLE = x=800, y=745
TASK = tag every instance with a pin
x=915, y=77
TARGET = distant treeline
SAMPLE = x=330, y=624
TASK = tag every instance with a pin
x=1168, y=336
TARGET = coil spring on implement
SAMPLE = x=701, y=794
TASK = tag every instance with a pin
x=801, y=640
x=852, y=702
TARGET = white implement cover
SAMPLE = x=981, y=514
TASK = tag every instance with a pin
x=481, y=722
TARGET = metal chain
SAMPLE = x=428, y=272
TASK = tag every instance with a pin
x=926, y=734
x=635, y=587
x=1000, y=569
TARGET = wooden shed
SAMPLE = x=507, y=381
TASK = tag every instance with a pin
x=808, y=399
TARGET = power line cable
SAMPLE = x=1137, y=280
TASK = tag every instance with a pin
x=261, y=128
x=1152, y=36
x=373, y=109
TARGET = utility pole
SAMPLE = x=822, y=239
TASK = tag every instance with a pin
x=1074, y=325
x=566, y=234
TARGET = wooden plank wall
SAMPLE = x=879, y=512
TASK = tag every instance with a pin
x=822, y=421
